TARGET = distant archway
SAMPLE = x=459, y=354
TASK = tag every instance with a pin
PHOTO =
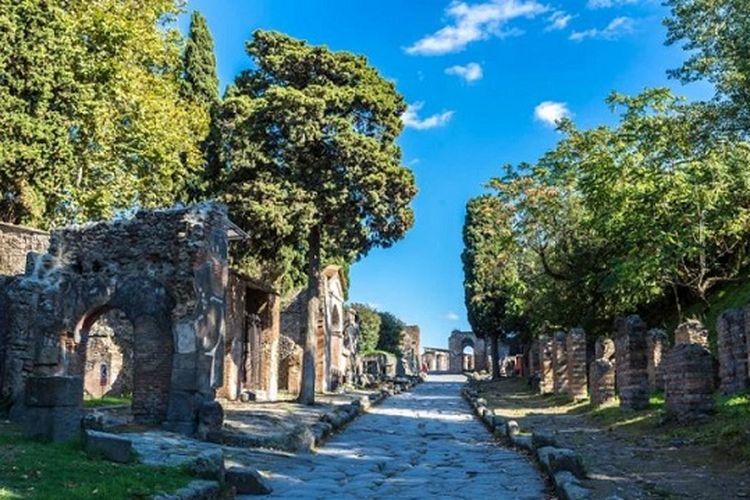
x=458, y=343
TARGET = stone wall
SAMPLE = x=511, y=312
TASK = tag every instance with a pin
x=15, y=243
x=560, y=363
x=632, y=363
x=689, y=382
x=166, y=270
x=733, y=354
x=576, y=364
x=290, y=366
x=657, y=345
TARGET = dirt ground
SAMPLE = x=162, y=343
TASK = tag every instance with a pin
x=630, y=456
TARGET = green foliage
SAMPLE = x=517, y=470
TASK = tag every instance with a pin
x=615, y=218
x=492, y=281
x=308, y=149
x=201, y=83
x=391, y=333
x=92, y=117
x=716, y=33
x=30, y=469
x=369, y=327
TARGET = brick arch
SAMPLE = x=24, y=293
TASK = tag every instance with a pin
x=148, y=307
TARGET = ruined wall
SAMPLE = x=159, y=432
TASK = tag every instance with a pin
x=166, y=270
x=691, y=332
x=15, y=243
x=409, y=364
x=251, y=360
x=631, y=363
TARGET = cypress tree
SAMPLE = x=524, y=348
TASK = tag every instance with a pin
x=201, y=82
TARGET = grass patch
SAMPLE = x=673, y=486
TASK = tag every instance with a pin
x=34, y=470
x=126, y=400
x=728, y=430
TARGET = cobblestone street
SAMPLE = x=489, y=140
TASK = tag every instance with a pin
x=415, y=445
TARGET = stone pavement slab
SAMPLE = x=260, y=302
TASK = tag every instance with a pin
x=424, y=443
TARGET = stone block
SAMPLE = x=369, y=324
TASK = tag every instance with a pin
x=210, y=417
x=568, y=487
x=522, y=441
x=58, y=425
x=560, y=363
x=602, y=380
x=247, y=481
x=512, y=428
x=199, y=489
x=691, y=332
x=555, y=460
x=54, y=391
x=108, y=446
x=209, y=464
x=576, y=364
x=540, y=439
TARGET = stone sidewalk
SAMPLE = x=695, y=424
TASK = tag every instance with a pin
x=424, y=443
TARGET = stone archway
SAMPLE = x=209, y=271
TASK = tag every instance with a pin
x=148, y=307
x=457, y=342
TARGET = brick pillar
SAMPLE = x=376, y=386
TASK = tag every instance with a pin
x=658, y=343
x=560, y=363
x=602, y=379
x=689, y=378
x=691, y=332
x=576, y=364
x=546, y=377
x=732, y=351
x=632, y=363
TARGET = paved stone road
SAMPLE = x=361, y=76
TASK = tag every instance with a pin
x=420, y=444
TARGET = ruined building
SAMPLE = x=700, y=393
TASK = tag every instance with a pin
x=160, y=278
x=336, y=337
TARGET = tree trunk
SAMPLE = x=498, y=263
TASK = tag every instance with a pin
x=494, y=351
x=307, y=389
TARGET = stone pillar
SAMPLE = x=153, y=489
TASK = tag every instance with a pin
x=732, y=351
x=632, y=363
x=691, y=332
x=560, y=363
x=658, y=343
x=546, y=377
x=576, y=364
x=534, y=358
x=602, y=379
x=689, y=381
x=53, y=408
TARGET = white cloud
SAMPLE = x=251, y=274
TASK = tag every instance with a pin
x=472, y=72
x=605, y=4
x=618, y=27
x=471, y=23
x=451, y=316
x=550, y=112
x=411, y=118
x=559, y=20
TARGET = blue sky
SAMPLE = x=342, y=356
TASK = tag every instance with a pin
x=485, y=79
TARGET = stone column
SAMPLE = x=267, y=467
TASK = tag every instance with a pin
x=658, y=343
x=53, y=408
x=602, y=379
x=560, y=363
x=576, y=364
x=546, y=378
x=730, y=327
x=689, y=381
x=632, y=363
